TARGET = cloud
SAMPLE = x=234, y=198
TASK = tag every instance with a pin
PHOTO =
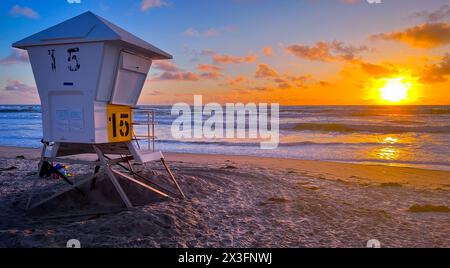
x=196, y=55
x=207, y=52
x=426, y=35
x=282, y=81
x=209, y=68
x=325, y=51
x=191, y=32
x=74, y=1
x=214, y=75
x=287, y=81
x=211, y=32
x=17, y=86
x=15, y=56
x=176, y=76
x=155, y=93
x=229, y=59
x=437, y=73
x=264, y=70
x=267, y=51
x=376, y=70
x=27, y=12
x=165, y=66
x=349, y=1
x=171, y=72
x=437, y=15
x=235, y=81
x=210, y=71
x=323, y=83
x=148, y=4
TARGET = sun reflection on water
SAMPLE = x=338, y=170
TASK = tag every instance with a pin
x=388, y=152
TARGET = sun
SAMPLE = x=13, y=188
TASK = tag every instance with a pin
x=395, y=89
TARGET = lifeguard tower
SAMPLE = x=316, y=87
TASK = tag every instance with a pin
x=89, y=74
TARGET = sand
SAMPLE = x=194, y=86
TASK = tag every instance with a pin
x=234, y=201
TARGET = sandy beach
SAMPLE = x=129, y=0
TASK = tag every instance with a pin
x=234, y=201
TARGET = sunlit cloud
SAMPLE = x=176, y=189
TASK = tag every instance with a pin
x=235, y=81
x=15, y=56
x=350, y=1
x=434, y=16
x=280, y=81
x=267, y=51
x=165, y=66
x=325, y=51
x=437, y=73
x=17, y=87
x=230, y=59
x=210, y=32
x=176, y=76
x=376, y=70
x=155, y=93
x=149, y=4
x=191, y=32
x=213, y=75
x=27, y=12
x=208, y=68
x=426, y=35
x=264, y=70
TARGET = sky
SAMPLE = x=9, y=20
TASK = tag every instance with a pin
x=292, y=52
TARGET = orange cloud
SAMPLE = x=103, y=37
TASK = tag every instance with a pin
x=229, y=59
x=268, y=51
x=208, y=68
x=177, y=76
x=211, y=75
x=376, y=70
x=166, y=66
x=437, y=73
x=427, y=35
x=264, y=70
x=282, y=81
x=235, y=81
x=287, y=81
x=325, y=51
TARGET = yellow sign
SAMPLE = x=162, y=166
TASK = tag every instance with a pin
x=119, y=121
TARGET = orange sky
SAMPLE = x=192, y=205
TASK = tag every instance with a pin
x=302, y=52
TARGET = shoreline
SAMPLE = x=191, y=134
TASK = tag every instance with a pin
x=363, y=173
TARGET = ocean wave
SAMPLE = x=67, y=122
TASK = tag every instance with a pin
x=345, y=128
x=20, y=109
x=282, y=144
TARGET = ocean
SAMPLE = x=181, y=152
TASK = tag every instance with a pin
x=411, y=136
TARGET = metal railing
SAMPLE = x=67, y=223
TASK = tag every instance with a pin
x=150, y=126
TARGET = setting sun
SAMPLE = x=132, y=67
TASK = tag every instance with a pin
x=395, y=90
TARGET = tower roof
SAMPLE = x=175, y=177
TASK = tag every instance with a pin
x=86, y=28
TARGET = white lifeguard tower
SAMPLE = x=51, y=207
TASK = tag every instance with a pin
x=89, y=74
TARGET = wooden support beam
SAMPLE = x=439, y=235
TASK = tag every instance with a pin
x=172, y=177
x=113, y=179
x=138, y=182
